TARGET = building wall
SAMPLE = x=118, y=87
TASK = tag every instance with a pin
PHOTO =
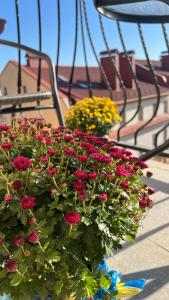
x=146, y=136
x=147, y=109
x=9, y=82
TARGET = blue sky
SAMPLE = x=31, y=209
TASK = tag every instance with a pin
x=29, y=31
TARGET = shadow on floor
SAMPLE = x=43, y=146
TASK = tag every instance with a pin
x=142, y=237
x=161, y=201
x=158, y=276
x=158, y=185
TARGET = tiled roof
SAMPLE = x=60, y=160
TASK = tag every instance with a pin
x=99, y=89
x=156, y=66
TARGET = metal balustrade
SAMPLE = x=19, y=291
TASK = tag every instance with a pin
x=83, y=29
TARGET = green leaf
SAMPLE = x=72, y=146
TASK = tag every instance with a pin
x=2, y=274
x=53, y=257
x=130, y=238
x=104, y=282
x=16, y=280
x=58, y=287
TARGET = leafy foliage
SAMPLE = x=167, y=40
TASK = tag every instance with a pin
x=67, y=199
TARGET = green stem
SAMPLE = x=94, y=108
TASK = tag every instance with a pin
x=7, y=250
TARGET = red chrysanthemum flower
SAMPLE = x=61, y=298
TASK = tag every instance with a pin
x=72, y=218
x=1, y=241
x=8, y=198
x=32, y=221
x=92, y=175
x=82, y=158
x=102, y=197
x=52, y=171
x=82, y=195
x=149, y=174
x=18, y=241
x=125, y=184
x=81, y=174
x=4, y=127
x=27, y=202
x=33, y=237
x=51, y=152
x=39, y=138
x=68, y=138
x=7, y=146
x=121, y=171
x=145, y=203
x=102, y=158
x=43, y=159
x=11, y=265
x=151, y=191
x=142, y=164
x=47, y=140
x=21, y=163
x=78, y=186
x=69, y=151
x=16, y=185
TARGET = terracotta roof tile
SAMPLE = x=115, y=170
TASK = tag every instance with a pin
x=99, y=89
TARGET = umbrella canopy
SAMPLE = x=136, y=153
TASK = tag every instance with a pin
x=137, y=11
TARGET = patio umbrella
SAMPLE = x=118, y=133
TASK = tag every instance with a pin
x=137, y=11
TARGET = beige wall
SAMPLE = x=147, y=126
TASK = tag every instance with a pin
x=9, y=81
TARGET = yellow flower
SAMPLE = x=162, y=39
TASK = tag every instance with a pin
x=101, y=110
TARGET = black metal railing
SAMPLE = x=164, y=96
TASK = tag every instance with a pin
x=84, y=29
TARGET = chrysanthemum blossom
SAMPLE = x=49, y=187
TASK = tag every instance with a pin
x=21, y=163
x=72, y=218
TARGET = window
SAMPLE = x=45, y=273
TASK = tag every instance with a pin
x=83, y=85
x=63, y=78
x=24, y=89
x=5, y=91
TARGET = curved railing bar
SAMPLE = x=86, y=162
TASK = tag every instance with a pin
x=59, y=36
x=155, y=151
x=154, y=79
x=114, y=66
x=158, y=133
x=94, y=51
x=164, y=29
x=40, y=45
x=75, y=50
x=19, y=82
x=84, y=52
x=135, y=81
x=52, y=75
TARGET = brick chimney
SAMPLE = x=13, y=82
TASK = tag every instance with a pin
x=106, y=62
x=165, y=61
x=2, y=25
x=125, y=69
x=32, y=61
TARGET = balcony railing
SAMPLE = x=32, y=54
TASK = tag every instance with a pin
x=83, y=39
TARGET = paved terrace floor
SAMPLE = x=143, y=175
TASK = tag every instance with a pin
x=149, y=256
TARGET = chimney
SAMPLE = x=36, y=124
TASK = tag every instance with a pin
x=165, y=61
x=2, y=25
x=32, y=61
x=125, y=69
x=106, y=62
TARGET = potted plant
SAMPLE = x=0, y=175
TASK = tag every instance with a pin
x=97, y=114
x=67, y=199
